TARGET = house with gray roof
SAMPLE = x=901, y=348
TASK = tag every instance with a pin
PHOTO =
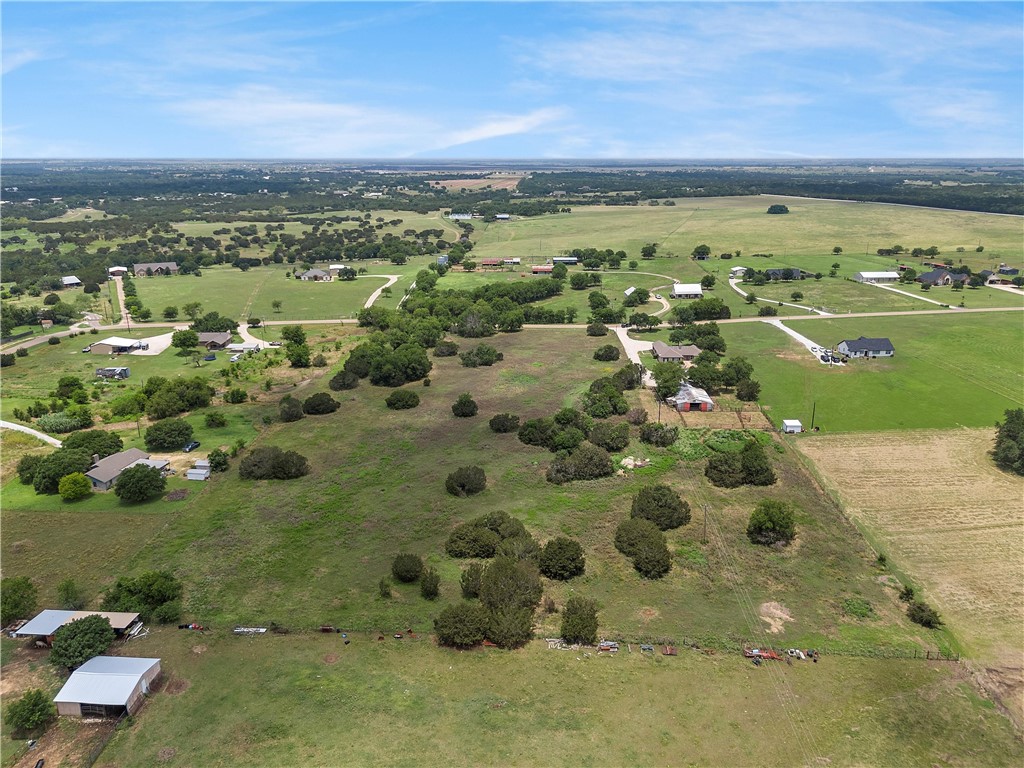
x=865, y=347
x=316, y=276
x=104, y=472
x=667, y=353
x=155, y=268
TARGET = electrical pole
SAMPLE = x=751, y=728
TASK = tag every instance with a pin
x=814, y=409
x=704, y=538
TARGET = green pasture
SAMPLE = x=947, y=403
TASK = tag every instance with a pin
x=838, y=296
x=310, y=699
x=949, y=370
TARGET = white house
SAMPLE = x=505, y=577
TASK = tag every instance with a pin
x=117, y=271
x=514, y=261
x=687, y=291
x=792, y=426
x=876, y=277
x=865, y=347
x=736, y=272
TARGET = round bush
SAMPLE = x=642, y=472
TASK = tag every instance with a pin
x=319, y=404
x=407, y=568
x=465, y=406
x=74, y=487
x=579, y=621
x=597, y=329
x=772, y=522
x=662, y=506
x=343, y=380
x=504, y=423
x=466, y=481
x=402, y=399
x=470, y=540
x=462, y=625
x=430, y=584
x=562, y=559
x=632, y=535
x=607, y=353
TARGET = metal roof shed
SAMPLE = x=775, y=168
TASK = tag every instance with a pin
x=107, y=686
x=792, y=426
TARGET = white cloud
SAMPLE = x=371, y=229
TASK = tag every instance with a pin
x=13, y=60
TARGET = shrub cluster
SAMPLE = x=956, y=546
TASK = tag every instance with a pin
x=503, y=423
x=564, y=431
x=272, y=463
x=597, y=329
x=407, y=568
x=655, y=433
x=446, y=349
x=482, y=536
x=607, y=353
x=921, y=613
x=748, y=467
x=466, y=481
x=319, y=404
x=611, y=437
x=343, y=380
x=482, y=354
x=662, y=506
x=95, y=441
x=562, y=559
x=140, y=483
x=289, y=409
x=402, y=399
x=78, y=641
x=168, y=435
x=579, y=621
x=1009, y=449
x=772, y=522
x=48, y=472
x=465, y=406
x=71, y=418
x=155, y=595
x=641, y=541
x=588, y=462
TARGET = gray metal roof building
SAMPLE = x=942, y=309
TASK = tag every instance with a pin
x=107, y=686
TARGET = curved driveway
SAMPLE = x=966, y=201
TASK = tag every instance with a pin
x=29, y=431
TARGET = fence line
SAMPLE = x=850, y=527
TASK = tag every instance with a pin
x=93, y=754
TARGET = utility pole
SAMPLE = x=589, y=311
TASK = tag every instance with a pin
x=704, y=538
x=814, y=409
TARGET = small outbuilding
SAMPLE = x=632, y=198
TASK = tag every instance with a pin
x=876, y=277
x=115, y=345
x=197, y=474
x=118, y=373
x=792, y=426
x=117, y=271
x=691, y=398
x=70, y=281
x=542, y=269
x=107, y=686
x=45, y=625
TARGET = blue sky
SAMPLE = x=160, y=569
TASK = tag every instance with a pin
x=512, y=80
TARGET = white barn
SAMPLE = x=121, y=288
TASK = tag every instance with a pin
x=107, y=686
x=687, y=291
x=876, y=277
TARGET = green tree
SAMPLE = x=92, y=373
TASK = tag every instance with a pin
x=725, y=470
x=466, y=481
x=101, y=442
x=772, y=522
x=74, y=487
x=510, y=627
x=185, y=340
x=579, y=621
x=430, y=584
x=218, y=460
x=168, y=435
x=667, y=377
x=17, y=598
x=748, y=390
x=343, y=380
x=921, y=613
x=192, y=310
x=31, y=713
x=407, y=567
x=778, y=209
x=465, y=406
x=62, y=462
x=662, y=506
x=69, y=596
x=276, y=304
x=80, y=640
x=837, y=250
x=319, y=404
x=509, y=583
x=470, y=580
x=649, y=251
x=27, y=466
x=289, y=409
x=757, y=470
x=462, y=625
x=140, y=483
x=708, y=282
x=170, y=313
x=562, y=559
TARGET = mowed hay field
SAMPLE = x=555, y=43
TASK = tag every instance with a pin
x=936, y=504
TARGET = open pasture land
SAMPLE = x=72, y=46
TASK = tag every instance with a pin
x=810, y=231
x=839, y=296
x=310, y=700
x=934, y=502
x=501, y=181
x=949, y=370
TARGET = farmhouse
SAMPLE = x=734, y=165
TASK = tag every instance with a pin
x=155, y=268
x=316, y=276
x=865, y=347
x=70, y=281
x=107, y=686
x=941, y=277
x=117, y=373
x=217, y=340
x=116, y=345
x=542, y=269
x=737, y=272
x=876, y=277
x=666, y=353
x=687, y=291
x=786, y=274
x=117, y=271
x=691, y=398
x=45, y=625
x=104, y=472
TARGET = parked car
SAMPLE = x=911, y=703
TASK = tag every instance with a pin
x=191, y=446
x=824, y=358
x=274, y=344
x=210, y=356
x=657, y=295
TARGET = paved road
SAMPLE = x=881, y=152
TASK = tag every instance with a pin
x=812, y=346
x=633, y=349
x=29, y=431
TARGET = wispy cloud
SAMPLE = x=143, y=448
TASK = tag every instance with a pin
x=16, y=59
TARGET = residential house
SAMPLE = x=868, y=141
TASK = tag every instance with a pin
x=865, y=347
x=104, y=472
x=787, y=273
x=941, y=277
x=666, y=353
x=214, y=340
x=155, y=268
x=316, y=276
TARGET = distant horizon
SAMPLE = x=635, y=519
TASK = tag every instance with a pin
x=522, y=160
x=591, y=81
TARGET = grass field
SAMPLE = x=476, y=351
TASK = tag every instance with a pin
x=948, y=371
x=960, y=536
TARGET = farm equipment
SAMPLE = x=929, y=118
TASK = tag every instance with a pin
x=761, y=653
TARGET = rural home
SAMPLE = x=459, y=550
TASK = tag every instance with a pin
x=107, y=686
x=666, y=353
x=691, y=398
x=117, y=271
x=45, y=625
x=542, y=269
x=737, y=272
x=155, y=268
x=316, y=276
x=941, y=277
x=214, y=340
x=786, y=274
x=116, y=345
x=70, y=281
x=876, y=277
x=104, y=472
x=687, y=291
x=118, y=373
x=792, y=426
x=865, y=347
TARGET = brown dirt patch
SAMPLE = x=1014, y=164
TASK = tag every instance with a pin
x=198, y=649
x=67, y=744
x=776, y=615
x=177, y=494
x=497, y=182
x=177, y=685
x=331, y=658
x=27, y=670
x=647, y=614
x=165, y=754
